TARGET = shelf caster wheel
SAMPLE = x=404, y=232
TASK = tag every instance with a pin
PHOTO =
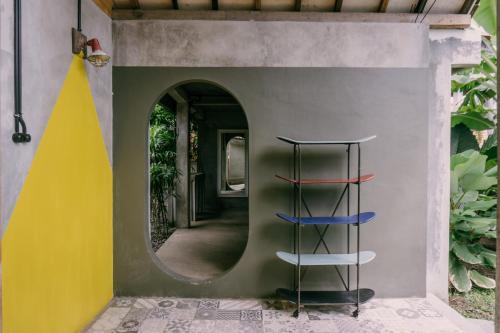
x=295, y=314
x=355, y=314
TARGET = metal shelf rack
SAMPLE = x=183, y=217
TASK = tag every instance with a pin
x=298, y=259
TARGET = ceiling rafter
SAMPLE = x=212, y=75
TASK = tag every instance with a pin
x=338, y=6
x=469, y=6
x=258, y=4
x=298, y=5
x=382, y=8
x=105, y=5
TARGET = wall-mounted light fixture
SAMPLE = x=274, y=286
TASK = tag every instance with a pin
x=97, y=56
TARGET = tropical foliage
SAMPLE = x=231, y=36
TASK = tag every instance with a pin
x=163, y=172
x=474, y=165
x=473, y=218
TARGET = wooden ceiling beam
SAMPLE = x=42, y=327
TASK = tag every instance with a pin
x=105, y=5
x=435, y=21
x=258, y=4
x=468, y=6
x=383, y=6
x=298, y=5
x=338, y=6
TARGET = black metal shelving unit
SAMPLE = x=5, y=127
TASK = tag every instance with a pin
x=348, y=296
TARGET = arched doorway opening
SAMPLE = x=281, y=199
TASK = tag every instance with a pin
x=198, y=145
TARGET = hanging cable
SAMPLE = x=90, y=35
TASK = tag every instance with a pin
x=22, y=136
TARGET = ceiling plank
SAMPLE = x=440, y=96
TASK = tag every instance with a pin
x=298, y=5
x=435, y=21
x=258, y=4
x=420, y=6
x=383, y=6
x=338, y=6
x=105, y=5
x=215, y=5
x=468, y=6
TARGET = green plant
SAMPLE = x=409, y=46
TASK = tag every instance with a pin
x=476, y=113
x=473, y=217
x=486, y=15
x=163, y=172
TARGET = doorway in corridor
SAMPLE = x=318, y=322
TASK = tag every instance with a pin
x=198, y=144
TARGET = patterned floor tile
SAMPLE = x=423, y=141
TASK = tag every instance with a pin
x=227, y=326
x=167, y=303
x=208, y=304
x=129, y=326
x=184, y=314
x=110, y=319
x=133, y=320
x=187, y=304
x=240, y=304
x=270, y=315
x=203, y=326
x=172, y=315
x=228, y=315
x=146, y=303
x=205, y=314
x=251, y=315
x=178, y=326
x=122, y=302
x=152, y=326
x=159, y=313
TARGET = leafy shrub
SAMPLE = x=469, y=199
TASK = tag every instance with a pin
x=472, y=218
x=163, y=172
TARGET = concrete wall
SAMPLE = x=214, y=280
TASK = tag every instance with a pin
x=314, y=44
x=46, y=59
x=270, y=44
x=305, y=103
x=208, y=127
x=55, y=192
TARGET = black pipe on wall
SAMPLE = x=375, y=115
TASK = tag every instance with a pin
x=79, y=16
x=23, y=136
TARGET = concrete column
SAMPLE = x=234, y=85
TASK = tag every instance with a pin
x=449, y=49
x=182, y=163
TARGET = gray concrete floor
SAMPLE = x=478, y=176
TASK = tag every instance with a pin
x=207, y=249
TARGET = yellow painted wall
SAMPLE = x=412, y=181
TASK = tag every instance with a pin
x=57, y=249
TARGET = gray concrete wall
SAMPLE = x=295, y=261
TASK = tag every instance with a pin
x=208, y=127
x=303, y=103
x=269, y=44
x=46, y=57
x=313, y=44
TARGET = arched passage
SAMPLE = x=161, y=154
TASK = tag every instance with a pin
x=198, y=143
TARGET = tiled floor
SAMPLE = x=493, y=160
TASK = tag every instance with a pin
x=152, y=315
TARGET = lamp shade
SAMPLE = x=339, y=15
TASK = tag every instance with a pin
x=97, y=57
